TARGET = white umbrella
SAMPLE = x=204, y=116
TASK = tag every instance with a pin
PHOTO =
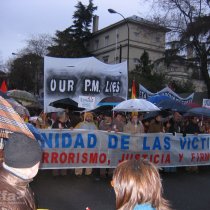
x=136, y=105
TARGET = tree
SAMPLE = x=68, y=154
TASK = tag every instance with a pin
x=38, y=45
x=189, y=21
x=24, y=72
x=70, y=42
x=143, y=74
x=66, y=46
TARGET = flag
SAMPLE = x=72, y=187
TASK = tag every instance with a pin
x=133, y=95
x=133, y=90
x=3, y=87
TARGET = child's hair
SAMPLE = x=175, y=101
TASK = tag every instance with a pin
x=138, y=182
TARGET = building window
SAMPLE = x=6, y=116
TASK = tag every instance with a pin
x=96, y=44
x=106, y=41
x=106, y=59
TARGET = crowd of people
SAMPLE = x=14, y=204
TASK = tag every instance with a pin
x=136, y=183
x=133, y=123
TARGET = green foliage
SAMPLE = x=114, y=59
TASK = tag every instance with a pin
x=70, y=42
x=67, y=46
x=181, y=86
x=144, y=67
x=154, y=81
x=143, y=75
x=82, y=20
x=24, y=71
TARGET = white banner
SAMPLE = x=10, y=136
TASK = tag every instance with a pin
x=72, y=77
x=87, y=102
x=100, y=149
x=206, y=103
x=144, y=93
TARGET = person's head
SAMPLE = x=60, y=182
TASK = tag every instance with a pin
x=88, y=117
x=177, y=116
x=158, y=118
x=108, y=118
x=23, y=155
x=138, y=182
x=118, y=116
x=134, y=118
x=62, y=116
x=194, y=120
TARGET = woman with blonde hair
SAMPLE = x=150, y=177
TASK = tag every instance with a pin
x=137, y=186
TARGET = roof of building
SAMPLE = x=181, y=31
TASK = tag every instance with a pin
x=134, y=19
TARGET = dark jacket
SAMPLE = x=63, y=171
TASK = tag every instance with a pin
x=15, y=193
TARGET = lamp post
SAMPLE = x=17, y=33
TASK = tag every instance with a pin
x=115, y=12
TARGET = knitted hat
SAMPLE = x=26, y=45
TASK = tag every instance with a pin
x=20, y=151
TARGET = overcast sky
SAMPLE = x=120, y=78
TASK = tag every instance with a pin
x=19, y=19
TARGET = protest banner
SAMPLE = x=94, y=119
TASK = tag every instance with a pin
x=100, y=149
x=87, y=102
x=144, y=93
x=206, y=102
x=74, y=77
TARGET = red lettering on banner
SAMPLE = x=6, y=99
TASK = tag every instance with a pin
x=71, y=158
x=200, y=157
x=93, y=157
x=102, y=158
x=137, y=157
x=78, y=158
x=45, y=156
x=63, y=157
x=84, y=158
x=181, y=155
x=54, y=158
x=155, y=158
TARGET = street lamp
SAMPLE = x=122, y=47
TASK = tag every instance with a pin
x=115, y=12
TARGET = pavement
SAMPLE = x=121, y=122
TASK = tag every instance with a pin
x=184, y=190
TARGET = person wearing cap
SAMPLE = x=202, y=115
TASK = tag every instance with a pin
x=22, y=156
x=87, y=124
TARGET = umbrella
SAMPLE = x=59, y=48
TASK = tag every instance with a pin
x=19, y=108
x=66, y=103
x=110, y=101
x=150, y=115
x=10, y=120
x=22, y=96
x=172, y=105
x=136, y=105
x=157, y=98
x=199, y=111
x=4, y=95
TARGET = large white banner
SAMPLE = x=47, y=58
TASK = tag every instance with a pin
x=144, y=93
x=100, y=149
x=74, y=77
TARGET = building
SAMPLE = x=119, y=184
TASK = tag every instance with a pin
x=110, y=44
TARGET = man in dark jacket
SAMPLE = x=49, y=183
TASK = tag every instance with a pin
x=22, y=156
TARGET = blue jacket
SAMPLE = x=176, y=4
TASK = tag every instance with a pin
x=145, y=206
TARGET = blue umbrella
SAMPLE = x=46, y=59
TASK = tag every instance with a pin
x=157, y=98
x=172, y=105
x=198, y=111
